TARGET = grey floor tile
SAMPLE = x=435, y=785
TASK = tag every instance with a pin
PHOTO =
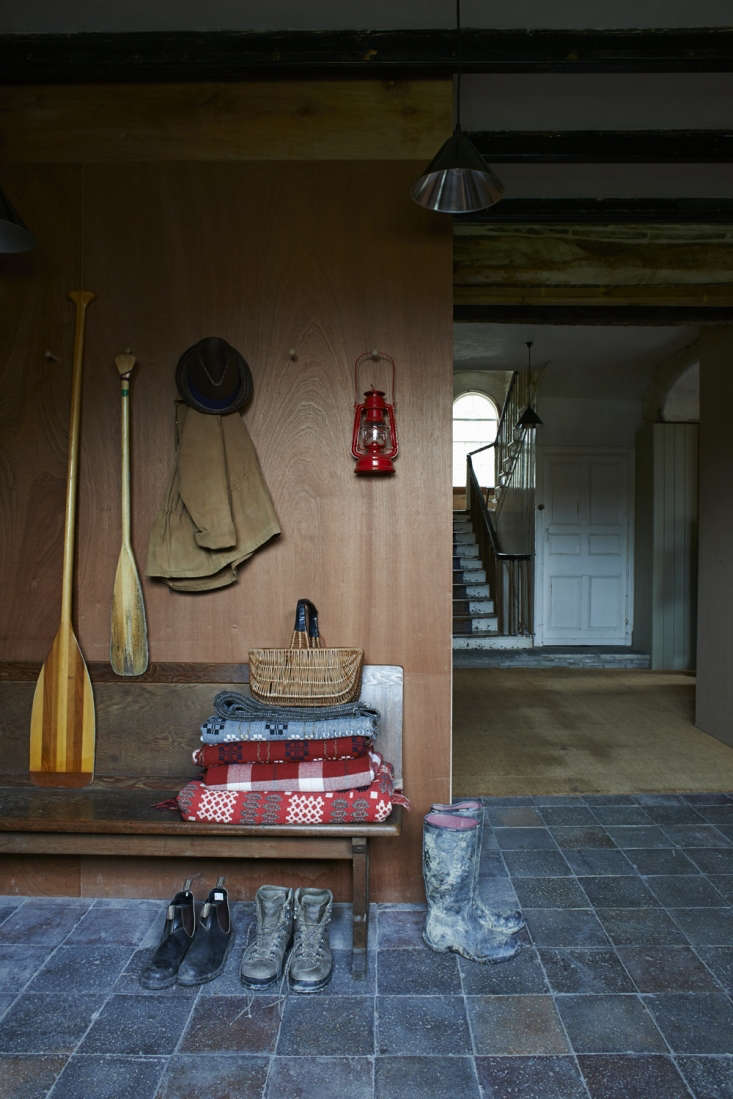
x=706, y=926
x=328, y=1078
x=568, y=815
x=727, y=831
x=110, y=1077
x=666, y=969
x=621, y=814
x=708, y=1077
x=609, y=1024
x=137, y=1025
x=661, y=860
x=344, y=983
x=550, y=893
x=425, y=1077
x=716, y=814
x=530, y=1078
x=719, y=959
x=423, y=1025
x=29, y=1076
x=708, y=799
x=701, y=835
x=684, y=891
x=47, y=1022
x=417, y=973
x=6, y=999
x=643, y=1076
x=230, y=1024
x=497, y=894
x=18, y=964
x=117, y=926
x=598, y=861
x=618, y=892
x=311, y=1027
x=565, y=927
x=520, y=816
x=585, y=971
x=400, y=928
x=679, y=814
x=609, y=799
x=638, y=835
x=524, y=839
x=340, y=931
x=724, y=884
x=533, y=864
x=7, y=910
x=83, y=968
x=515, y=1025
x=576, y=836
x=522, y=973
x=40, y=925
x=226, y=1076
x=693, y=1022
x=710, y=860
x=639, y=926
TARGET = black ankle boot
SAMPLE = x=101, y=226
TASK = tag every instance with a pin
x=178, y=934
x=213, y=939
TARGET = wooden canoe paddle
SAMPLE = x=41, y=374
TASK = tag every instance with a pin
x=62, y=718
x=128, y=645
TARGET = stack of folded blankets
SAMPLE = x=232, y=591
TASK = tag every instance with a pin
x=266, y=764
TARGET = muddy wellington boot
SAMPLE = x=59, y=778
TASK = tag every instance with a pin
x=212, y=942
x=263, y=959
x=178, y=933
x=311, y=961
x=498, y=921
x=452, y=923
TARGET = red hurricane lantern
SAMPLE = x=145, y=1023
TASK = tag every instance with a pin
x=374, y=442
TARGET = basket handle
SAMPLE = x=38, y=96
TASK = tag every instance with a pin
x=305, y=630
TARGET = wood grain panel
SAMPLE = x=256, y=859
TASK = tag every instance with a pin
x=327, y=258
x=258, y=120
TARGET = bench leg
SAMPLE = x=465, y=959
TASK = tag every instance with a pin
x=360, y=904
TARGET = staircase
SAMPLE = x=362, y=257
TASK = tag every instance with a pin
x=475, y=624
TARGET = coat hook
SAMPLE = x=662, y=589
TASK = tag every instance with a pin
x=292, y=355
x=375, y=355
x=50, y=356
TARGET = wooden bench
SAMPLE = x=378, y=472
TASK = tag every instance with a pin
x=116, y=815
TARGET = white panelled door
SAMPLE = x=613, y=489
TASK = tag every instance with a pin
x=584, y=548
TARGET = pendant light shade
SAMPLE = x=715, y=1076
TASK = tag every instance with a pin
x=14, y=236
x=457, y=180
x=529, y=418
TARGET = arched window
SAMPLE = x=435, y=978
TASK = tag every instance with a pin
x=475, y=421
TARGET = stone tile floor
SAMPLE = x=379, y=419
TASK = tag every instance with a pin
x=623, y=986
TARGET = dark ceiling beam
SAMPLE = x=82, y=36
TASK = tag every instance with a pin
x=229, y=55
x=607, y=211
x=605, y=146
x=590, y=314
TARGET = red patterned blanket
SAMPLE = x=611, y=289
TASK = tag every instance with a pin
x=317, y=775
x=373, y=803
x=281, y=751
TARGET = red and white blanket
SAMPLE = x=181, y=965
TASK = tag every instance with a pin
x=370, y=804
x=317, y=775
x=282, y=751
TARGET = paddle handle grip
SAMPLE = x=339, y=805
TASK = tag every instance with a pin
x=125, y=364
x=81, y=299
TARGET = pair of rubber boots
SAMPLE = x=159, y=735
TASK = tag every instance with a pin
x=457, y=919
x=295, y=920
x=192, y=949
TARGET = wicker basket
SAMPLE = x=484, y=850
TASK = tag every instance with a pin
x=305, y=674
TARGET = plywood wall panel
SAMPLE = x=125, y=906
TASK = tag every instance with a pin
x=321, y=258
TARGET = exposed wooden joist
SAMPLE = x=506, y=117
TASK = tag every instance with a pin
x=605, y=146
x=590, y=314
x=601, y=211
x=229, y=55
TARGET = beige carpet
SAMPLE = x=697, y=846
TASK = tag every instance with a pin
x=580, y=731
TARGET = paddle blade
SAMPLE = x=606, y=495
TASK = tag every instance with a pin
x=62, y=718
x=128, y=645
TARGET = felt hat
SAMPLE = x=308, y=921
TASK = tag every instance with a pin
x=213, y=377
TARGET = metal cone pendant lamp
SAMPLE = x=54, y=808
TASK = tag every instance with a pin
x=14, y=235
x=529, y=417
x=457, y=180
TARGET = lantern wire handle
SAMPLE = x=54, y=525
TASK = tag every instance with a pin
x=375, y=356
